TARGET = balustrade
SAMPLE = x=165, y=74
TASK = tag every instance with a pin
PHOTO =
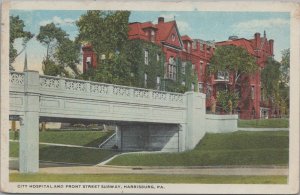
x=95, y=88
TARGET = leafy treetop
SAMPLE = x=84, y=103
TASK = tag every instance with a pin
x=17, y=31
x=106, y=31
x=50, y=36
x=235, y=60
x=61, y=51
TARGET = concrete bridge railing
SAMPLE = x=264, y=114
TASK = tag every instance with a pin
x=146, y=119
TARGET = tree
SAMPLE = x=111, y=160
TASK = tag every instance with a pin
x=270, y=78
x=50, y=36
x=285, y=66
x=227, y=100
x=67, y=54
x=106, y=31
x=114, y=70
x=284, y=85
x=235, y=62
x=61, y=51
x=17, y=31
x=275, y=83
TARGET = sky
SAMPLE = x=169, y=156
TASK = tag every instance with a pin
x=213, y=26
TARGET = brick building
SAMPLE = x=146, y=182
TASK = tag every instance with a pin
x=252, y=104
x=198, y=52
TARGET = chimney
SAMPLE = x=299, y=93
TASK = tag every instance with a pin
x=161, y=19
x=198, y=46
x=257, y=39
x=271, y=43
x=204, y=48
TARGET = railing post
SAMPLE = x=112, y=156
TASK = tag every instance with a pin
x=131, y=92
x=150, y=94
x=88, y=87
x=62, y=83
x=29, y=133
x=110, y=90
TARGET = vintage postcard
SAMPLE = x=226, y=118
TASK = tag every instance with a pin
x=150, y=97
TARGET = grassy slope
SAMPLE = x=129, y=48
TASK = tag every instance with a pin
x=81, y=138
x=238, y=148
x=15, y=177
x=66, y=154
x=264, y=123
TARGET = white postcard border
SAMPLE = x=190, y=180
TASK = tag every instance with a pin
x=293, y=8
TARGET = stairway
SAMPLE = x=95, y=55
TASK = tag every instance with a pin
x=109, y=142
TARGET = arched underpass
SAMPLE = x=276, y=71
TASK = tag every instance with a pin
x=135, y=136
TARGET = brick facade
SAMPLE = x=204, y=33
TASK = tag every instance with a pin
x=198, y=52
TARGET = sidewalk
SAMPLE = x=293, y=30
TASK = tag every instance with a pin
x=65, y=145
x=261, y=129
x=164, y=171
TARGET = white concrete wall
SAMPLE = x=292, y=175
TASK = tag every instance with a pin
x=195, y=119
x=220, y=123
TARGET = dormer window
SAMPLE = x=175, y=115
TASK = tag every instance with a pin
x=173, y=37
x=188, y=47
x=152, y=38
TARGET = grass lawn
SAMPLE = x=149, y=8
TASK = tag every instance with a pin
x=66, y=154
x=264, y=123
x=143, y=178
x=237, y=148
x=81, y=138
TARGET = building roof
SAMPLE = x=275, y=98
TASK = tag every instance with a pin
x=163, y=32
x=247, y=44
x=186, y=38
x=148, y=25
x=136, y=31
x=164, y=29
